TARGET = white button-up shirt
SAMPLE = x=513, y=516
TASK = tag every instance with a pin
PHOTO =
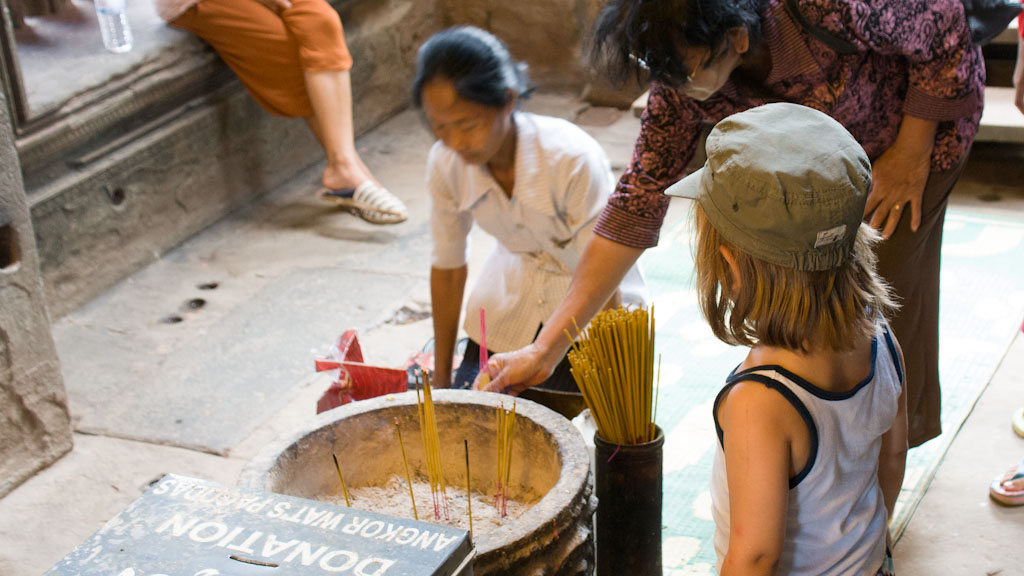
x=562, y=182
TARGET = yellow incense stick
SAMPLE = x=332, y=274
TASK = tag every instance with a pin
x=505, y=425
x=469, y=495
x=408, y=477
x=344, y=490
x=500, y=459
x=497, y=458
x=508, y=460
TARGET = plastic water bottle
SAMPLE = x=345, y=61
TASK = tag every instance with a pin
x=117, y=34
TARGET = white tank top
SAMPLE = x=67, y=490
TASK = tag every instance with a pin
x=836, y=519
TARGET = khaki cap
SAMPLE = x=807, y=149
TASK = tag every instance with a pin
x=784, y=183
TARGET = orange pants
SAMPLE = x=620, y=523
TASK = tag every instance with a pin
x=268, y=51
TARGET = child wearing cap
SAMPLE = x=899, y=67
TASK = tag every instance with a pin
x=812, y=425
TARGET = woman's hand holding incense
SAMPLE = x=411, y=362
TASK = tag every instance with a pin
x=513, y=372
x=600, y=271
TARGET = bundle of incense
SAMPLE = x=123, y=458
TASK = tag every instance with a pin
x=408, y=477
x=484, y=377
x=505, y=431
x=432, y=447
x=613, y=365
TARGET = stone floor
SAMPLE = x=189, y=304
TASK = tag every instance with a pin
x=956, y=529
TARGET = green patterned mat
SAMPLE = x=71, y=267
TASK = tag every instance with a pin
x=982, y=302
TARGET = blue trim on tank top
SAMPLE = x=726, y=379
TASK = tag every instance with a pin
x=807, y=385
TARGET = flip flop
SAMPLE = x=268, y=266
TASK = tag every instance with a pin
x=367, y=197
x=1008, y=489
x=1018, y=421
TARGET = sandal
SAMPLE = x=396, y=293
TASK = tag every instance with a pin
x=368, y=197
x=375, y=217
x=1008, y=489
x=379, y=217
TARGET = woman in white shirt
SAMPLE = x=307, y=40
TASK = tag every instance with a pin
x=534, y=183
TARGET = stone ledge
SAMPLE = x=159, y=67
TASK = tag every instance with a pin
x=1001, y=121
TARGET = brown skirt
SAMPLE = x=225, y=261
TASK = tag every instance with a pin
x=909, y=261
x=270, y=52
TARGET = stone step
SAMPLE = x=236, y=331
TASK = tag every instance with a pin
x=1001, y=121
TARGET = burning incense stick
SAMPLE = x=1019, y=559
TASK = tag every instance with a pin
x=613, y=365
x=469, y=495
x=344, y=490
x=408, y=477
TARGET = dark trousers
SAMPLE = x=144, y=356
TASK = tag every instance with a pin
x=909, y=261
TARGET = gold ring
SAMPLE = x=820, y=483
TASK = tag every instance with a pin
x=896, y=207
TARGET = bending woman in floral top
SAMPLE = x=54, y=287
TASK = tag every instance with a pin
x=911, y=94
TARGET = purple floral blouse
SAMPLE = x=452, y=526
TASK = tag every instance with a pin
x=915, y=57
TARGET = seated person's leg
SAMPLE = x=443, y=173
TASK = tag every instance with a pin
x=318, y=33
x=253, y=42
x=325, y=61
x=296, y=64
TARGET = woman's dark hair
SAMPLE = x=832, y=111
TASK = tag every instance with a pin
x=476, y=62
x=646, y=36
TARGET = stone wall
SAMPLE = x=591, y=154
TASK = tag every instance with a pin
x=35, y=427
x=546, y=34
x=552, y=37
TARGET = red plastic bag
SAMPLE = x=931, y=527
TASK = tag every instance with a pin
x=356, y=380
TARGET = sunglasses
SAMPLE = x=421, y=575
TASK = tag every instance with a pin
x=671, y=64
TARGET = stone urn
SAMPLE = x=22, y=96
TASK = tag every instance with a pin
x=550, y=471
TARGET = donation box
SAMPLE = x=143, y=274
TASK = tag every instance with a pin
x=189, y=527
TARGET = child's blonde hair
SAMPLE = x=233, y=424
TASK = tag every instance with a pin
x=785, y=307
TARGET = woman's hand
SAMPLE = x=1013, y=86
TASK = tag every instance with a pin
x=603, y=266
x=899, y=176
x=513, y=372
x=276, y=6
